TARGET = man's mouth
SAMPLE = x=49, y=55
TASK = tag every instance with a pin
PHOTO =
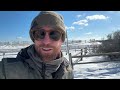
x=47, y=49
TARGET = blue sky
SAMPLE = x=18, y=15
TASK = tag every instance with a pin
x=82, y=25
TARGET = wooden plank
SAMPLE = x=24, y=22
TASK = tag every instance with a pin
x=96, y=62
x=100, y=54
x=77, y=54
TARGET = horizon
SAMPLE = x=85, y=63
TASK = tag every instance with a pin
x=80, y=25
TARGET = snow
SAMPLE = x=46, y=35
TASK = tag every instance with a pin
x=104, y=70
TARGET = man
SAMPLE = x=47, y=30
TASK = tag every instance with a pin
x=43, y=59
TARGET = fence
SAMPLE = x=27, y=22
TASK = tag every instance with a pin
x=5, y=52
x=97, y=54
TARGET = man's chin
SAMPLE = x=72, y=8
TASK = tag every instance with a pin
x=47, y=53
x=48, y=56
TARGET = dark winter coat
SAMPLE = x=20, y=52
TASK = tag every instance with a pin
x=24, y=67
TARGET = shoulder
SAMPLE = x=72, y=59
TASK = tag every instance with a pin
x=9, y=64
x=1, y=71
x=23, y=53
x=11, y=68
x=5, y=65
x=10, y=61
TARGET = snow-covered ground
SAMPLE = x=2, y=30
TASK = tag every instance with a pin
x=104, y=70
x=9, y=51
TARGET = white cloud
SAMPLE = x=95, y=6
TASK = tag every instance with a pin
x=88, y=37
x=19, y=37
x=89, y=33
x=97, y=17
x=80, y=28
x=83, y=22
x=95, y=37
x=113, y=11
x=115, y=28
x=70, y=28
x=79, y=16
x=75, y=38
x=85, y=38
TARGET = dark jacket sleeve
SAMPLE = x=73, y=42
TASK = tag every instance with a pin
x=2, y=76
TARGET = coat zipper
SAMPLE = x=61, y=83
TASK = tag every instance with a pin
x=43, y=70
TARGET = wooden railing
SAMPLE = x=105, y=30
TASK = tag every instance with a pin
x=98, y=54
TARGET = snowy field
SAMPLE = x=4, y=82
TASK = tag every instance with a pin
x=9, y=51
x=104, y=70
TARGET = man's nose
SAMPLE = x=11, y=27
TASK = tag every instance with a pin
x=46, y=39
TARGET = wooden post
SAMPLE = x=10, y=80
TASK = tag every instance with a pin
x=3, y=54
x=85, y=50
x=81, y=54
x=67, y=43
x=70, y=59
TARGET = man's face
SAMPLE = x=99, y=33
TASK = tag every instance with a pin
x=48, y=49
